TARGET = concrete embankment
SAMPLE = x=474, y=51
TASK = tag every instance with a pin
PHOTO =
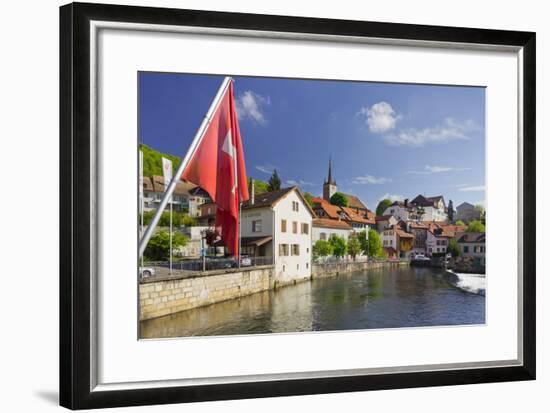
x=164, y=296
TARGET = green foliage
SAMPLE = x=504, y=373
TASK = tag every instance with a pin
x=309, y=198
x=152, y=161
x=453, y=248
x=274, y=182
x=339, y=199
x=178, y=219
x=475, y=226
x=339, y=245
x=158, y=247
x=321, y=248
x=375, y=245
x=382, y=206
x=354, y=246
x=363, y=241
x=259, y=186
x=460, y=222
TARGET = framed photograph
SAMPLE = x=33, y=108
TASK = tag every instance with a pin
x=258, y=206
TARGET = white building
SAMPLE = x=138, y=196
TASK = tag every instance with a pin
x=433, y=207
x=323, y=228
x=279, y=224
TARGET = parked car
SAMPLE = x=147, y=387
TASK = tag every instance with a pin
x=146, y=272
x=246, y=261
x=421, y=257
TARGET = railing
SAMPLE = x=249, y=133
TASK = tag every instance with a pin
x=161, y=268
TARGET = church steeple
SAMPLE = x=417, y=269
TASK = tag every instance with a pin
x=330, y=180
x=329, y=187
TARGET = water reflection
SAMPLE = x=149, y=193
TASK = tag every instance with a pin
x=385, y=298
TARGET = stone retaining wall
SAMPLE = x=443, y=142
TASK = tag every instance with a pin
x=162, y=297
x=329, y=269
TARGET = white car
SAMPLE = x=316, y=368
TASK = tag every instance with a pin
x=146, y=272
x=421, y=257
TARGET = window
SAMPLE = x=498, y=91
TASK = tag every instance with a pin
x=283, y=250
x=295, y=206
x=305, y=228
x=466, y=249
x=295, y=249
x=297, y=266
x=257, y=225
x=294, y=227
x=307, y=265
x=283, y=225
x=323, y=235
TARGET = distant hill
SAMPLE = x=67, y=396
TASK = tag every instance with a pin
x=152, y=160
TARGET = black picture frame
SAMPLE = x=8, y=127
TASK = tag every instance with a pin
x=75, y=219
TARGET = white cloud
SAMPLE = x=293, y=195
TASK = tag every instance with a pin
x=266, y=169
x=450, y=130
x=370, y=180
x=476, y=188
x=299, y=182
x=391, y=197
x=380, y=117
x=251, y=106
x=435, y=169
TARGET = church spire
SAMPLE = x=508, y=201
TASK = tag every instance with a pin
x=330, y=180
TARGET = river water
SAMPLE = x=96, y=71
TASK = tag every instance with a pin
x=382, y=298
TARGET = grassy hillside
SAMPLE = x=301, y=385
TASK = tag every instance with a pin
x=152, y=161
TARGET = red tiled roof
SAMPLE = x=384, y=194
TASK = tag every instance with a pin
x=383, y=217
x=354, y=202
x=354, y=216
x=330, y=210
x=330, y=223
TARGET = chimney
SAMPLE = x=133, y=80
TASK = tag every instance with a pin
x=406, y=202
x=251, y=200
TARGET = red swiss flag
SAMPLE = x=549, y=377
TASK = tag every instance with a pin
x=217, y=166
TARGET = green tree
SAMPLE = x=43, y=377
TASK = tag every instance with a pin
x=354, y=246
x=309, y=198
x=453, y=248
x=382, y=206
x=259, y=186
x=339, y=199
x=339, y=245
x=363, y=241
x=321, y=248
x=274, y=182
x=158, y=247
x=375, y=244
x=460, y=222
x=475, y=226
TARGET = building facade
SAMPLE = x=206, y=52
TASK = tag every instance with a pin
x=279, y=224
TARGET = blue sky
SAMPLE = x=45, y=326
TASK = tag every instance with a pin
x=385, y=140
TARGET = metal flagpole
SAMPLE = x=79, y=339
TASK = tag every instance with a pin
x=170, y=236
x=239, y=194
x=141, y=197
x=185, y=161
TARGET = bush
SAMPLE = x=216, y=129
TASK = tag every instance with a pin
x=158, y=248
x=475, y=226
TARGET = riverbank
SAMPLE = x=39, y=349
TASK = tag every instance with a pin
x=169, y=295
x=386, y=297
